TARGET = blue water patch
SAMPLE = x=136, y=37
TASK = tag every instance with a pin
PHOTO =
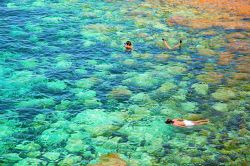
x=70, y=94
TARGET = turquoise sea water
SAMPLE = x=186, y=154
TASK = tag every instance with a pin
x=69, y=93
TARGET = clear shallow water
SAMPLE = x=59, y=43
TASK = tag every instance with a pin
x=69, y=93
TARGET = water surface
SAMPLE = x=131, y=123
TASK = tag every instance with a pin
x=70, y=94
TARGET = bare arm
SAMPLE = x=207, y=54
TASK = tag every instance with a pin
x=168, y=47
x=166, y=44
x=178, y=45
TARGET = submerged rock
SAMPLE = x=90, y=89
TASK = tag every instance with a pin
x=70, y=160
x=11, y=157
x=40, y=103
x=65, y=104
x=237, y=35
x=56, y=85
x=176, y=69
x=7, y=130
x=98, y=122
x=225, y=58
x=180, y=95
x=137, y=112
x=189, y=106
x=53, y=137
x=206, y=51
x=240, y=46
x=166, y=87
x=52, y=155
x=75, y=145
x=210, y=77
x=220, y=107
x=81, y=71
x=28, y=146
x=63, y=65
x=141, y=98
x=200, y=88
x=120, y=93
x=142, y=56
x=194, y=117
x=34, y=154
x=92, y=103
x=170, y=112
x=110, y=160
x=147, y=132
x=186, y=58
x=86, y=95
x=162, y=57
x=85, y=83
x=243, y=64
x=129, y=62
x=223, y=94
x=29, y=63
x=145, y=81
x=30, y=161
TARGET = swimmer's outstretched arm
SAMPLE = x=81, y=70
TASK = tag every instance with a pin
x=177, y=45
x=168, y=47
x=166, y=44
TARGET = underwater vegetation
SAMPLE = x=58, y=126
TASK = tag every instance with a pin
x=70, y=94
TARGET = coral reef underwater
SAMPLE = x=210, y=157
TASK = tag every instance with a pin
x=70, y=95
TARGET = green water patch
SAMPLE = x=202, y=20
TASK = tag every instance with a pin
x=70, y=94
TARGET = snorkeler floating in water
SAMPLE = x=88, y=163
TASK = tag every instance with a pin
x=168, y=47
x=128, y=46
x=186, y=123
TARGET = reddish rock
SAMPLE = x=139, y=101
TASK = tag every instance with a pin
x=244, y=59
x=239, y=46
x=210, y=77
x=241, y=76
x=244, y=67
x=243, y=64
x=228, y=14
x=206, y=52
x=110, y=160
x=209, y=33
x=236, y=35
x=181, y=20
x=225, y=58
x=201, y=23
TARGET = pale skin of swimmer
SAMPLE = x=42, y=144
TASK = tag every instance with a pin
x=128, y=45
x=186, y=123
x=178, y=45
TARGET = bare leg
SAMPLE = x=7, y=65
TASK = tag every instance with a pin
x=203, y=120
x=200, y=122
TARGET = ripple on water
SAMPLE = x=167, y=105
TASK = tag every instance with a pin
x=70, y=95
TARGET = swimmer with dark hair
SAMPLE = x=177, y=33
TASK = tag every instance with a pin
x=186, y=123
x=128, y=46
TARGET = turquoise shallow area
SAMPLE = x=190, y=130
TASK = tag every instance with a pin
x=69, y=93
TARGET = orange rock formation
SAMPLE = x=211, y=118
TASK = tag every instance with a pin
x=229, y=14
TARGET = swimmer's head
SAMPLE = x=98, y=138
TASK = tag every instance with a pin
x=128, y=43
x=169, y=121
